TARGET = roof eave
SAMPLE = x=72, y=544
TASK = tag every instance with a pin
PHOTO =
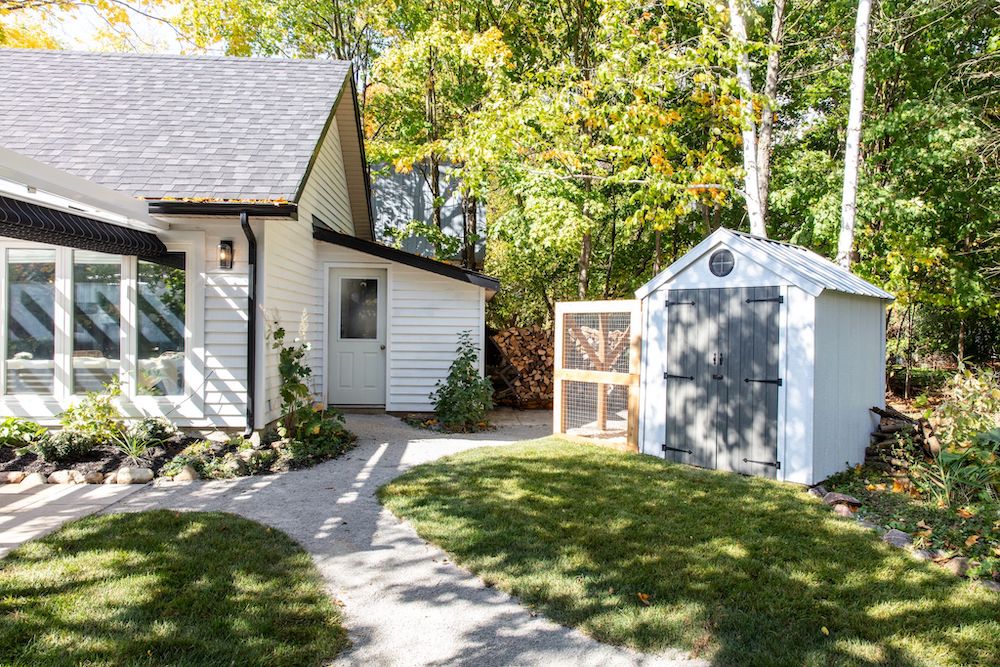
x=260, y=209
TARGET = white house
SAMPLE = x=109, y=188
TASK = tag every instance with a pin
x=159, y=213
x=762, y=358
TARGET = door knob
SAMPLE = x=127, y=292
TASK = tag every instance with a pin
x=381, y=347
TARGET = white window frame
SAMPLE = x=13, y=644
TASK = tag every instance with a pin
x=46, y=407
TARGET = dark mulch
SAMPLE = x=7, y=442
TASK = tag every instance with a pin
x=102, y=459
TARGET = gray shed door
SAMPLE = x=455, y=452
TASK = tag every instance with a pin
x=721, y=376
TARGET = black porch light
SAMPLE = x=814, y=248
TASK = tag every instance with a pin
x=226, y=254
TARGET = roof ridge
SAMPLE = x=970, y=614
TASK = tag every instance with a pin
x=174, y=56
x=754, y=237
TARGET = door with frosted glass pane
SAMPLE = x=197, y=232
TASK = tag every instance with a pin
x=357, y=325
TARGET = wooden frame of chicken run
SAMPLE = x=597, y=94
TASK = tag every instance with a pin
x=596, y=393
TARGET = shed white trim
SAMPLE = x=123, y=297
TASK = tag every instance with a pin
x=798, y=266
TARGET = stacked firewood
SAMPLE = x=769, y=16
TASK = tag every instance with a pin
x=524, y=376
x=892, y=424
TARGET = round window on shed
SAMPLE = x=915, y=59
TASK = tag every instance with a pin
x=721, y=263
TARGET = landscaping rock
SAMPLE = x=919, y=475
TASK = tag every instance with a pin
x=61, y=477
x=186, y=474
x=134, y=475
x=990, y=585
x=833, y=498
x=959, y=566
x=78, y=477
x=11, y=477
x=93, y=478
x=34, y=479
x=869, y=525
x=817, y=491
x=843, y=510
x=922, y=554
x=111, y=478
x=897, y=538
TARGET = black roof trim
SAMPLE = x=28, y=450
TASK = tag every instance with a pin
x=179, y=207
x=326, y=235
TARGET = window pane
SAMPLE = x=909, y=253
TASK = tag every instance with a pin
x=96, y=320
x=161, y=329
x=30, y=321
x=359, y=308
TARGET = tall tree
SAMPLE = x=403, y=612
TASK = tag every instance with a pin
x=751, y=169
x=848, y=215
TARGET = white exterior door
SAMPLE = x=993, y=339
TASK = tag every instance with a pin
x=356, y=368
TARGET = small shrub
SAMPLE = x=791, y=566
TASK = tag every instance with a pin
x=96, y=416
x=321, y=435
x=64, y=446
x=971, y=406
x=152, y=430
x=462, y=401
x=16, y=432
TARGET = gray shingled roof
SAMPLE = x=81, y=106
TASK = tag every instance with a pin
x=169, y=126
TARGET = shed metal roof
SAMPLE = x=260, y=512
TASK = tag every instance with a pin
x=800, y=266
x=159, y=126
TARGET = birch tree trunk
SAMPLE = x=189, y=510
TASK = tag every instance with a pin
x=751, y=179
x=764, y=140
x=848, y=209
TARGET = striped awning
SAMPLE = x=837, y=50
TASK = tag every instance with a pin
x=33, y=222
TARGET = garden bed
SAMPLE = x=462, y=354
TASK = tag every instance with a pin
x=101, y=459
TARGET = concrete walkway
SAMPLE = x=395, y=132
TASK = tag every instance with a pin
x=404, y=602
x=29, y=512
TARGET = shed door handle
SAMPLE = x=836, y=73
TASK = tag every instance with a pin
x=381, y=347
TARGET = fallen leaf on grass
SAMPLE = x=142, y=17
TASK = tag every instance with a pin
x=825, y=631
x=964, y=513
x=972, y=539
x=644, y=599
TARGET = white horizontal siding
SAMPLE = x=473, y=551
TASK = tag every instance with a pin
x=426, y=314
x=325, y=193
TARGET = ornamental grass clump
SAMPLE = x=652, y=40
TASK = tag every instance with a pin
x=463, y=400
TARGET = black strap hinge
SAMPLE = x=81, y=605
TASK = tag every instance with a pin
x=774, y=464
x=678, y=303
x=668, y=376
x=777, y=382
x=676, y=449
x=774, y=299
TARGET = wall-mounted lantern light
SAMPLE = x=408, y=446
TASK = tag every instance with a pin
x=225, y=254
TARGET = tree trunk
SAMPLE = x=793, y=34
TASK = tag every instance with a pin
x=584, y=282
x=433, y=163
x=961, y=343
x=751, y=177
x=764, y=140
x=470, y=231
x=848, y=209
x=657, y=252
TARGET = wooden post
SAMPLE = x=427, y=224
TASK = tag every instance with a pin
x=600, y=364
x=634, y=359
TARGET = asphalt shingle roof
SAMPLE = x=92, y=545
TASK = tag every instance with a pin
x=169, y=126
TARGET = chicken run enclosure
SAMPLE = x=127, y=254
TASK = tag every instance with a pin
x=596, y=393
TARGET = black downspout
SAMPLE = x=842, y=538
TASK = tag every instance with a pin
x=251, y=324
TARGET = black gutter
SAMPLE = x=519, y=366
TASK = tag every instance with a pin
x=178, y=207
x=251, y=323
x=327, y=235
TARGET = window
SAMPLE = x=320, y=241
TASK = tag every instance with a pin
x=97, y=280
x=359, y=308
x=721, y=263
x=161, y=309
x=31, y=303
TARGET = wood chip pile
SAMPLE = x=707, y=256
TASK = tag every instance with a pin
x=523, y=379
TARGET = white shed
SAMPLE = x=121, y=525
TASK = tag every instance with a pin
x=761, y=358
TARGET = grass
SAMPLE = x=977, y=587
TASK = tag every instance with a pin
x=159, y=588
x=636, y=551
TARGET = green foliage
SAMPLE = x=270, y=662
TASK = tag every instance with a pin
x=971, y=406
x=132, y=446
x=152, y=429
x=16, y=432
x=65, y=446
x=96, y=418
x=321, y=435
x=445, y=245
x=294, y=372
x=462, y=401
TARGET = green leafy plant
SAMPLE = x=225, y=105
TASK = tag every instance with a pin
x=96, y=417
x=294, y=373
x=971, y=407
x=152, y=430
x=321, y=435
x=64, y=446
x=16, y=432
x=445, y=245
x=132, y=446
x=462, y=401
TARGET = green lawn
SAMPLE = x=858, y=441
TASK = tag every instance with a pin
x=738, y=570
x=162, y=588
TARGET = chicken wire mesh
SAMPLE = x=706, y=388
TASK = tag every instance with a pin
x=595, y=354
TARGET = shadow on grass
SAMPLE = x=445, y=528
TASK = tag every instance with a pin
x=165, y=588
x=737, y=570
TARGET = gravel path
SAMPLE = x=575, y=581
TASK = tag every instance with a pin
x=405, y=603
